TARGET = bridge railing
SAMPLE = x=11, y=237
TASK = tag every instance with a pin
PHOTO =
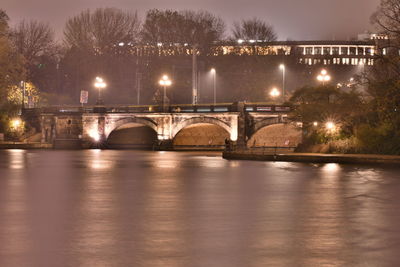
x=175, y=108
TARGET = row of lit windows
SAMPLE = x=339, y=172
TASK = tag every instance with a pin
x=257, y=50
x=337, y=61
x=336, y=50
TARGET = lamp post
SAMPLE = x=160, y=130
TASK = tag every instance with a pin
x=283, y=69
x=99, y=84
x=164, y=82
x=214, y=73
x=324, y=77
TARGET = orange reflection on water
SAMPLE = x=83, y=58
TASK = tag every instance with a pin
x=17, y=158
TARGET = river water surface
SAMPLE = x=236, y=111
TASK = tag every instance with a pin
x=132, y=208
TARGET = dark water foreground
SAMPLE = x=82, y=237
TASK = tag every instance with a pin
x=131, y=208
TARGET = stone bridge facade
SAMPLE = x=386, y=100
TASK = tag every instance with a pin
x=88, y=127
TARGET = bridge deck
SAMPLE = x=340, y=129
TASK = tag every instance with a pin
x=183, y=108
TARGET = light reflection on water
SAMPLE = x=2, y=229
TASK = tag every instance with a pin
x=131, y=208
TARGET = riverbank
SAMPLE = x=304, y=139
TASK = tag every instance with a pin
x=313, y=157
x=23, y=145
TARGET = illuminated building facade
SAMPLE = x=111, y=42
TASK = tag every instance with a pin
x=357, y=52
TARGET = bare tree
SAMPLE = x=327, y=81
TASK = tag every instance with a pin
x=102, y=29
x=3, y=22
x=191, y=27
x=387, y=17
x=203, y=27
x=33, y=39
x=254, y=29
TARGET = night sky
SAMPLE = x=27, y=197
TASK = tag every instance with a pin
x=292, y=19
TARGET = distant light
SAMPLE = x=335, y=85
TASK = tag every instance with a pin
x=121, y=44
x=16, y=123
x=213, y=70
x=252, y=41
x=315, y=123
x=99, y=83
x=282, y=66
x=159, y=44
x=162, y=137
x=165, y=81
x=274, y=92
x=330, y=125
x=240, y=41
x=351, y=79
x=324, y=77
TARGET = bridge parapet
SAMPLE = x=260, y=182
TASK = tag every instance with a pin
x=184, y=108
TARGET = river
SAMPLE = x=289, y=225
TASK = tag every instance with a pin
x=135, y=208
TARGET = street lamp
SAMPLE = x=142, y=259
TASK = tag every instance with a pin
x=164, y=82
x=16, y=123
x=283, y=69
x=324, y=77
x=275, y=93
x=330, y=126
x=99, y=84
x=214, y=73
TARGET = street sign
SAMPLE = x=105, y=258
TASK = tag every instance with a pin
x=84, y=97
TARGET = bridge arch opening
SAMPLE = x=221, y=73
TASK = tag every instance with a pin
x=283, y=135
x=132, y=135
x=201, y=135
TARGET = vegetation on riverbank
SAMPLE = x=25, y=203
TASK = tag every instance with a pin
x=365, y=116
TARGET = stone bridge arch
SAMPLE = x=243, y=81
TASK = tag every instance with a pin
x=118, y=123
x=265, y=122
x=191, y=121
x=274, y=131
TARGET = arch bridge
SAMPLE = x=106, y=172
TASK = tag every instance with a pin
x=93, y=126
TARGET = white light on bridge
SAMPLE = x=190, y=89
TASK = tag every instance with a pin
x=162, y=137
x=94, y=134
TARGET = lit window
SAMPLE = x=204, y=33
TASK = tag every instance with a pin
x=335, y=51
